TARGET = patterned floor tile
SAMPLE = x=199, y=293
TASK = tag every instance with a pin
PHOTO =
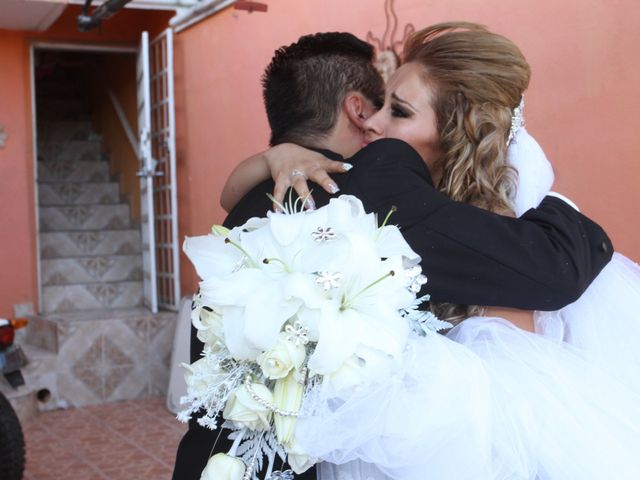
x=135, y=439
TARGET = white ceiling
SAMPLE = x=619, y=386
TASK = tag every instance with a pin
x=40, y=14
x=29, y=14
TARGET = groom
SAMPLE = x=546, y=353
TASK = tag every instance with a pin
x=317, y=92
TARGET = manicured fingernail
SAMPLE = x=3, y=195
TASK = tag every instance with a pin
x=311, y=205
x=334, y=188
x=347, y=166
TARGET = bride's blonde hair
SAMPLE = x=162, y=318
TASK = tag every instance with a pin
x=478, y=78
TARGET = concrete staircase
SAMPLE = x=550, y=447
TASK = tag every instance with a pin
x=94, y=342
x=90, y=249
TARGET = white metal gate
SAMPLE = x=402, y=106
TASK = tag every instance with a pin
x=146, y=173
x=163, y=134
x=157, y=153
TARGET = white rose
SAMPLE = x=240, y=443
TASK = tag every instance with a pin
x=350, y=374
x=223, y=467
x=200, y=375
x=298, y=460
x=284, y=356
x=242, y=409
x=287, y=395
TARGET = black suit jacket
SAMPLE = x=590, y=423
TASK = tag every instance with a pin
x=543, y=260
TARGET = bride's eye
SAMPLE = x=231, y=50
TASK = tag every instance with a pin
x=400, y=112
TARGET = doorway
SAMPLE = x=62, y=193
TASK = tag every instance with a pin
x=88, y=192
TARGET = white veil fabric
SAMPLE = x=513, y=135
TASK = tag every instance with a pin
x=490, y=401
x=604, y=323
x=535, y=173
x=580, y=363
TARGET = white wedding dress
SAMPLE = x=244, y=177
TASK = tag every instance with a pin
x=490, y=401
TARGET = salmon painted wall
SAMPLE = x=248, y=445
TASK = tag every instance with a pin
x=18, y=256
x=18, y=279
x=582, y=103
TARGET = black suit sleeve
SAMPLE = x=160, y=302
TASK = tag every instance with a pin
x=543, y=260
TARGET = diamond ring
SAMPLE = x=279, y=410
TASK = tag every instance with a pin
x=297, y=173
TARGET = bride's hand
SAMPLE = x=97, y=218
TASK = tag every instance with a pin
x=289, y=165
x=292, y=166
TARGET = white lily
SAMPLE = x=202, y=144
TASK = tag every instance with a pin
x=339, y=336
x=211, y=256
x=389, y=242
x=263, y=308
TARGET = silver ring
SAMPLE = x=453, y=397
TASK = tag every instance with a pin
x=297, y=173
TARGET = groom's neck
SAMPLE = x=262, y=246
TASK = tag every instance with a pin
x=345, y=138
x=326, y=146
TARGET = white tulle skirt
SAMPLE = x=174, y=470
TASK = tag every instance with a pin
x=604, y=324
x=491, y=401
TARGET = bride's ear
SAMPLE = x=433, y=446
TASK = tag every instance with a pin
x=354, y=106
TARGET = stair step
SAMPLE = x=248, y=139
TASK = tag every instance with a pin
x=113, y=268
x=69, y=170
x=73, y=298
x=89, y=242
x=70, y=150
x=76, y=193
x=64, y=130
x=128, y=313
x=85, y=217
x=108, y=355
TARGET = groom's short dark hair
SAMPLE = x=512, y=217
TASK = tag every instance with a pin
x=305, y=84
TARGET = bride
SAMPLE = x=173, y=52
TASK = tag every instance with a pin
x=488, y=400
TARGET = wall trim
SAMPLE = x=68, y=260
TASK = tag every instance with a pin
x=84, y=47
x=202, y=10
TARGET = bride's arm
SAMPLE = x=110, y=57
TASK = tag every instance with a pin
x=244, y=177
x=279, y=162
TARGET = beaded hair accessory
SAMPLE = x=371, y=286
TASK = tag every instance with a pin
x=517, y=120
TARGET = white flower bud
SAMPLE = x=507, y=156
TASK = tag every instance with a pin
x=208, y=324
x=220, y=231
x=287, y=395
x=223, y=467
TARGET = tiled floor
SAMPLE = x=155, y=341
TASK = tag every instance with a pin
x=131, y=440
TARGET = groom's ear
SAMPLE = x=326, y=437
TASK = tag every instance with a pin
x=354, y=105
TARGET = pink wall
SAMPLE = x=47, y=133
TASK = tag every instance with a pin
x=18, y=280
x=582, y=104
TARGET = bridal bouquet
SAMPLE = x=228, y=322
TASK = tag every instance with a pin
x=288, y=304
